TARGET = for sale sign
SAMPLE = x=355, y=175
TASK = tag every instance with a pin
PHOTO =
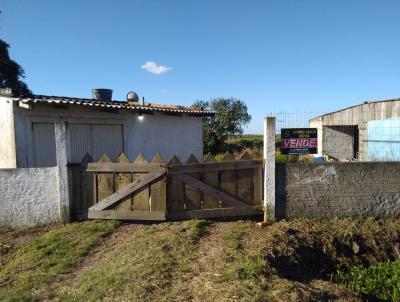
x=299, y=141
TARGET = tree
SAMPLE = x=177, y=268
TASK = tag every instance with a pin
x=230, y=117
x=11, y=73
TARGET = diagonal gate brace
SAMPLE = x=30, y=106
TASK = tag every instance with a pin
x=127, y=190
x=209, y=190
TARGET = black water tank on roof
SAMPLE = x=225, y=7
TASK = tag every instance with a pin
x=102, y=94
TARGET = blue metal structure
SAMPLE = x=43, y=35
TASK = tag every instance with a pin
x=384, y=139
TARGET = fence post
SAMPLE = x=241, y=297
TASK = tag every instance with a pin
x=62, y=161
x=317, y=123
x=363, y=141
x=269, y=167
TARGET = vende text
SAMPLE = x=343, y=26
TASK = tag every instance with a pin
x=299, y=143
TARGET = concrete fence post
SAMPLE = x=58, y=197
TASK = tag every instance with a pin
x=363, y=141
x=317, y=123
x=62, y=161
x=8, y=157
x=269, y=167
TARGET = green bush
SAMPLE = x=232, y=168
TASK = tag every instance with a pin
x=379, y=281
x=219, y=157
x=284, y=159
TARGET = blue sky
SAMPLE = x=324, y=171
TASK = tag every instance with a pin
x=299, y=55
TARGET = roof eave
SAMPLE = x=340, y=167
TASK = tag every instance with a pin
x=113, y=105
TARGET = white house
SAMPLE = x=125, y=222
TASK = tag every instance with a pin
x=32, y=127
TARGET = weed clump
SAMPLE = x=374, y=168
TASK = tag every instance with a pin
x=305, y=249
x=379, y=281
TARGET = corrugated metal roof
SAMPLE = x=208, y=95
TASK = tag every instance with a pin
x=149, y=107
x=358, y=105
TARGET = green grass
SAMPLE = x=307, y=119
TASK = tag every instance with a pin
x=379, y=281
x=241, y=263
x=152, y=264
x=142, y=267
x=31, y=266
x=199, y=228
x=201, y=260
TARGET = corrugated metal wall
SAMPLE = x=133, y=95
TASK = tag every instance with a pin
x=80, y=141
x=107, y=139
x=44, y=144
x=95, y=139
x=384, y=139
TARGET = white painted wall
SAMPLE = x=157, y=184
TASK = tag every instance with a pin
x=7, y=141
x=29, y=197
x=168, y=134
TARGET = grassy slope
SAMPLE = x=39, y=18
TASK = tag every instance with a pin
x=194, y=260
x=34, y=263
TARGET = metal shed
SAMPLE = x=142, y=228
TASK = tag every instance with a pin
x=368, y=131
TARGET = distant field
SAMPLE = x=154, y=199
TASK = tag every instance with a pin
x=250, y=136
x=251, y=142
x=202, y=261
x=247, y=139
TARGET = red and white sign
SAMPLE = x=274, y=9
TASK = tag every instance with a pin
x=299, y=143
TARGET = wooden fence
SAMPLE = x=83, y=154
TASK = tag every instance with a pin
x=157, y=190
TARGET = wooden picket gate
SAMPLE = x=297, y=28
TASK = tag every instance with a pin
x=158, y=191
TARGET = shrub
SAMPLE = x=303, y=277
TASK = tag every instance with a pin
x=284, y=159
x=219, y=157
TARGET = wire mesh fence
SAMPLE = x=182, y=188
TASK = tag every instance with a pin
x=293, y=119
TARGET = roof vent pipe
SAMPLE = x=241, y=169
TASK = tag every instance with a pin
x=102, y=94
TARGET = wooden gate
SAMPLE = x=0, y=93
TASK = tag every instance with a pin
x=155, y=190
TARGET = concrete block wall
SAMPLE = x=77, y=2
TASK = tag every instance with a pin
x=338, y=189
x=29, y=197
x=339, y=141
